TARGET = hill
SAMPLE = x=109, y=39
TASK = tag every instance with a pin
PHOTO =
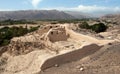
x=34, y=15
x=79, y=15
x=111, y=15
x=112, y=18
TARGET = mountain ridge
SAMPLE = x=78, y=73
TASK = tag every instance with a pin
x=34, y=15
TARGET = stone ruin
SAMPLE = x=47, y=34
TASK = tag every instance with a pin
x=51, y=37
x=54, y=45
x=18, y=47
x=57, y=34
x=40, y=39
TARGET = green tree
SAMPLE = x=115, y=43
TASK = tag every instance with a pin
x=6, y=33
x=100, y=27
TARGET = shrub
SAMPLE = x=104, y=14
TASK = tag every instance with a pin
x=100, y=27
x=7, y=33
x=84, y=25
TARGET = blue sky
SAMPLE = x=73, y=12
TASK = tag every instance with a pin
x=68, y=5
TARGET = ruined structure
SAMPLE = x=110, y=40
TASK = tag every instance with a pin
x=57, y=34
x=57, y=44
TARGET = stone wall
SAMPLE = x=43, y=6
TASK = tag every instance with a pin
x=70, y=56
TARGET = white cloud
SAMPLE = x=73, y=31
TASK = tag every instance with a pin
x=91, y=8
x=35, y=3
x=95, y=8
x=88, y=9
x=6, y=9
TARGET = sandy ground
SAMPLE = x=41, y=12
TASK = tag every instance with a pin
x=104, y=61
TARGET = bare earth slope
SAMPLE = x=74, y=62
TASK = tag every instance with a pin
x=104, y=61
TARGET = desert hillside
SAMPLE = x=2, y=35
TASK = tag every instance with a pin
x=104, y=61
x=35, y=15
x=112, y=18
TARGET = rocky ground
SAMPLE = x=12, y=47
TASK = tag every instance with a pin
x=104, y=61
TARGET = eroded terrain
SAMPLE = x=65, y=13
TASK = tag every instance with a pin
x=55, y=45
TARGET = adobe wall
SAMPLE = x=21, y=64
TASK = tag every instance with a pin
x=46, y=29
x=27, y=38
x=70, y=56
x=57, y=34
x=81, y=37
x=19, y=48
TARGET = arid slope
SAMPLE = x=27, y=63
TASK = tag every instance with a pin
x=104, y=61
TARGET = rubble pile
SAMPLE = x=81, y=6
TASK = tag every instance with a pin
x=19, y=48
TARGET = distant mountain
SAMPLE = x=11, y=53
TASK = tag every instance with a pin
x=79, y=15
x=115, y=18
x=112, y=16
x=35, y=15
